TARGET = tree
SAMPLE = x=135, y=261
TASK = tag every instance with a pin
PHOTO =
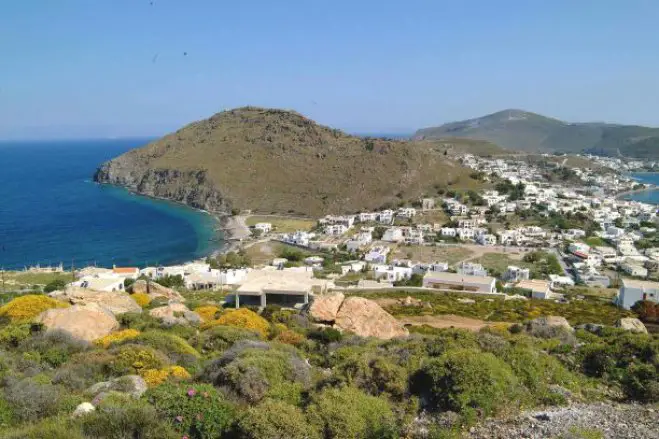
x=57, y=284
x=171, y=281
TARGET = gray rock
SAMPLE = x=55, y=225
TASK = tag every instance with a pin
x=631, y=324
x=132, y=385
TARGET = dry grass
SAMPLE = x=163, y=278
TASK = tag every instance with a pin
x=282, y=224
x=424, y=253
x=21, y=278
x=431, y=217
x=262, y=253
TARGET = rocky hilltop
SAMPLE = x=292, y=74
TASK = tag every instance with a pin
x=276, y=161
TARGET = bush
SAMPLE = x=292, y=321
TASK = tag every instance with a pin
x=220, y=338
x=275, y=420
x=53, y=348
x=255, y=370
x=348, y=413
x=207, y=312
x=24, y=309
x=6, y=414
x=198, y=411
x=125, y=418
x=132, y=359
x=155, y=377
x=241, y=318
x=466, y=380
x=325, y=335
x=174, y=347
x=13, y=334
x=640, y=382
x=53, y=428
x=117, y=337
x=142, y=299
x=171, y=281
x=83, y=370
x=57, y=284
x=31, y=400
x=287, y=336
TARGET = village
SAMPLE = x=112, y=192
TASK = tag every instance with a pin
x=523, y=237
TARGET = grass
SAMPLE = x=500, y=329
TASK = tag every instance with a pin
x=425, y=253
x=496, y=263
x=596, y=241
x=263, y=253
x=496, y=309
x=27, y=279
x=605, y=293
x=282, y=224
x=431, y=217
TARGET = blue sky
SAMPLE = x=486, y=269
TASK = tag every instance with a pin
x=84, y=68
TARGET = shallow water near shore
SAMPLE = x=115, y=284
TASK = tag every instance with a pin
x=51, y=211
x=649, y=196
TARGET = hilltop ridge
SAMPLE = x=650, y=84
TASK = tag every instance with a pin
x=526, y=131
x=272, y=160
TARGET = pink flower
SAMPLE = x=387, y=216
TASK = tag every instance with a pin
x=192, y=392
x=185, y=437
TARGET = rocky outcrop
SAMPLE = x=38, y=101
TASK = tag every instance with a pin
x=367, y=319
x=133, y=385
x=554, y=322
x=118, y=302
x=175, y=314
x=84, y=322
x=155, y=290
x=323, y=308
x=631, y=324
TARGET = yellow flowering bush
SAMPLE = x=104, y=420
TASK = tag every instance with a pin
x=131, y=359
x=155, y=377
x=289, y=337
x=207, y=312
x=142, y=299
x=116, y=337
x=241, y=318
x=24, y=309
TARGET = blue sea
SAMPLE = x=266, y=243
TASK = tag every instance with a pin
x=51, y=211
x=651, y=197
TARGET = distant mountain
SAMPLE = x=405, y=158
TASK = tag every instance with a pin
x=277, y=161
x=526, y=131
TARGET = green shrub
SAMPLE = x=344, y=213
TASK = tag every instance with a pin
x=32, y=400
x=54, y=347
x=198, y=411
x=640, y=382
x=325, y=335
x=13, y=334
x=123, y=419
x=84, y=369
x=52, y=428
x=467, y=381
x=449, y=339
x=348, y=413
x=6, y=414
x=132, y=358
x=254, y=370
x=174, y=347
x=221, y=338
x=275, y=420
x=57, y=284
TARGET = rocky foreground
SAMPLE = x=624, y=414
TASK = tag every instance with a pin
x=579, y=421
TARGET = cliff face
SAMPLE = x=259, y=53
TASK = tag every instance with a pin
x=276, y=161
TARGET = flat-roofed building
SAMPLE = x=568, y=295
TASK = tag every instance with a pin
x=539, y=288
x=288, y=286
x=633, y=290
x=459, y=282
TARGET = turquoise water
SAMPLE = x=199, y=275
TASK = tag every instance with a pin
x=51, y=211
x=651, y=197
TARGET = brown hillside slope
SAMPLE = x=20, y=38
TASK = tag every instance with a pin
x=279, y=161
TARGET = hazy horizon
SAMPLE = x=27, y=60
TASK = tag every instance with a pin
x=142, y=68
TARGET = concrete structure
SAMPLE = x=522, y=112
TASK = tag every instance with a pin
x=472, y=269
x=459, y=282
x=633, y=290
x=288, y=286
x=633, y=269
x=539, y=288
x=126, y=272
x=516, y=274
x=263, y=227
x=110, y=283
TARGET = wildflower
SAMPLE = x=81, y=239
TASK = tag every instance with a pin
x=192, y=392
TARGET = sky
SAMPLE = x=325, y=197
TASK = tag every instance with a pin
x=117, y=68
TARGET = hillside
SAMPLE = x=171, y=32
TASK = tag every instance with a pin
x=281, y=162
x=526, y=131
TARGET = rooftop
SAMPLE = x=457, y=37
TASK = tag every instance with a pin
x=534, y=285
x=635, y=283
x=455, y=277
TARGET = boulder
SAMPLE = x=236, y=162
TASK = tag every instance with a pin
x=549, y=322
x=324, y=307
x=367, y=319
x=590, y=327
x=118, y=302
x=133, y=385
x=467, y=301
x=155, y=290
x=175, y=314
x=85, y=322
x=410, y=301
x=631, y=324
x=83, y=409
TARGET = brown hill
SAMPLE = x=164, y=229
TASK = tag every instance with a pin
x=279, y=161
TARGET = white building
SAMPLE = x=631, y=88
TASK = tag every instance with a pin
x=633, y=290
x=516, y=274
x=391, y=273
x=472, y=269
x=263, y=227
x=377, y=255
x=459, y=282
x=335, y=229
x=539, y=288
x=393, y=234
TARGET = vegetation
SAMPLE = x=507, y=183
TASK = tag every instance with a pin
x=24, y=309
x=282, y=224
x=243, y=375
x=170, y=281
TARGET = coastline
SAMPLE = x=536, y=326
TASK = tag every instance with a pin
x=623, y=194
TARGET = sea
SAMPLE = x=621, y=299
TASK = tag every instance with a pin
x=651, y=196
x=52, y=212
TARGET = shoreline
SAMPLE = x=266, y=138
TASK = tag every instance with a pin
x=623, y=194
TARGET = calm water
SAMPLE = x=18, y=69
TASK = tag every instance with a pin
x=51, y=211
x=651, y=197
